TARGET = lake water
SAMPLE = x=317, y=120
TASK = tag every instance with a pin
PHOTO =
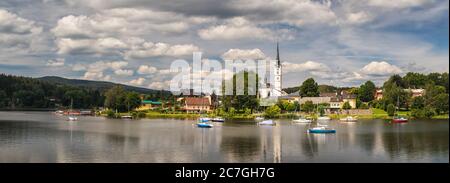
x=45, y=137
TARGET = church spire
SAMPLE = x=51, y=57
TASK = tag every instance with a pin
x=278, y=55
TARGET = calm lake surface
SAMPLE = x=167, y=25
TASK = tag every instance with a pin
x=45, y=137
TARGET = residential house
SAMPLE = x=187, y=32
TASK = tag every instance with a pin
x=149, y=105
x=414, y=93
x=335, y=100
x=196, y=104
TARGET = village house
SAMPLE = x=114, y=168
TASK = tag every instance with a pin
x=335, y=100
x=414, y=93
x=195, y=104
x=149, y=105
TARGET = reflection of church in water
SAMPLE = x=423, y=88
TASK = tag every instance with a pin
x=272, y=86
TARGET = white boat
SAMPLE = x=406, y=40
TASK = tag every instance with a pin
x=349, y=119
x=259, y=118
x=267, y=122
x=127, y=117
x=302, y=120
x=323, y=118
x=218, y=119
x=72, y=118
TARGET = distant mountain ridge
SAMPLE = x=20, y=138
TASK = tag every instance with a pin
x=99, y=85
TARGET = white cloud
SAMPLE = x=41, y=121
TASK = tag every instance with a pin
x=380, y=68
x=397, y=3
x=236, y=28
x=159, y=85
x=307, y=66
x=17, y=32
x=242, y=54
x=55, y=63
x=149, y=49
x=145, y=69
x=138, y=81
x=358, y=18
x=124, y=72
x=78, y=67
x=96, y=75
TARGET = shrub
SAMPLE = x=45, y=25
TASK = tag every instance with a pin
x=272, y=111
x=110, y=114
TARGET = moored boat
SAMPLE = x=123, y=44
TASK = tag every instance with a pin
x=321, y=129
x=399, y=119
x=259, y=118
x=127, y=117
x=204, y=120
x=323, y=118
x=349, y=119
x=267, y=122
x=204, y=125
x=302, y=120
x=218, y=120
x=72, y=118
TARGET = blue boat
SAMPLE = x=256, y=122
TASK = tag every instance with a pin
x=321, y=130
x=204, y=125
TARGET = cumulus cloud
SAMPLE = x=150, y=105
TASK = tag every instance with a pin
x=398, y=3
x=159, y=85
x=138, y=81
x=145, y=69
x=236, y=28
x=149, y=49
x=124, y=72
x=244, y=54
x=358, y=18
x=380, y=68
x=307, y=66
x=17, y=32
x=96, y=69
x=55, y=63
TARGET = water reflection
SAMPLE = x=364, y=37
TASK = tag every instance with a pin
x=49, y=138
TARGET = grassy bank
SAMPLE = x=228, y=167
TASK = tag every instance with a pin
x=376, y=114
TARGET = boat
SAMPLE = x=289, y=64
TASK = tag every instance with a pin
x=323, y=118
x=204, y=125
x=219, y=119
x=399, y=119
x=127, y=117
x=72, y=118
x=204, y=120
x=267, y=122
x=321, y=129
x=349, y=119
x=302, y=120
x=259, y=118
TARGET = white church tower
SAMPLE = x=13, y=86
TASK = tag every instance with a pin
x=277, y=76
x=272, y=87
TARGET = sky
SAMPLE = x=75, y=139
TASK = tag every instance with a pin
x=134, y=42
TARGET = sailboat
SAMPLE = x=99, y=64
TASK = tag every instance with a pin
x=397, y=118
x=203, y=122
x=302, y=120
x=71, y=117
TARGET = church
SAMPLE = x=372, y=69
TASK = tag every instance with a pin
x=272, y=86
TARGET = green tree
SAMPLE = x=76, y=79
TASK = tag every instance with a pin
x=366, y=91
x=309, y=88
x=346, y=106
x=390, y=109
x=115, y=98
x=3, y=97
x=308, y=106
x=272, y=111
x=417, y=102
x=415, y=80
x=132, y=100
x=441, y=103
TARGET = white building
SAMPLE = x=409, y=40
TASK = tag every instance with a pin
x=272, y=87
